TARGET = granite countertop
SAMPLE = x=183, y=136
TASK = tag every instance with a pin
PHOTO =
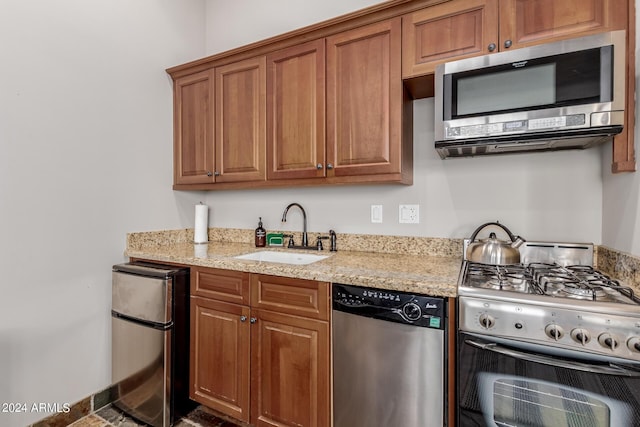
x=423, y=265
x=424, y=273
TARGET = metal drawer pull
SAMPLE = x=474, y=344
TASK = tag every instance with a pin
x=243, y=318
x=545, y=360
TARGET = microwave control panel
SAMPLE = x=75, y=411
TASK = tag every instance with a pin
x=515, y=126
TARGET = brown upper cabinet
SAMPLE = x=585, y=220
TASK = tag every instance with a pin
x=193, y=129
x=528, y=22
x=296, y=112
x=344, y=124
x=240, y=118
x=228, y=145
x=365, y=103
x=453, y=30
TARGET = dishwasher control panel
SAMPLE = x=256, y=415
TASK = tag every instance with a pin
x=395, y=306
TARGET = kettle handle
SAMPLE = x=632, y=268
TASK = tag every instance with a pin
x=475, y=233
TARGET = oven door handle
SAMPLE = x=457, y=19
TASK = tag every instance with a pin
x=612, y=369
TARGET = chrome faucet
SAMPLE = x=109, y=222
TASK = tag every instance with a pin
x=305, y=240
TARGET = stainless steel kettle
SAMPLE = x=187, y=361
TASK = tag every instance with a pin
x=493, y=250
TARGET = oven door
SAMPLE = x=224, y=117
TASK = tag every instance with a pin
x=512, y=385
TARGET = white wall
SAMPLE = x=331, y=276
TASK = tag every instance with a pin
x=86, y=137
x=621, y=192
x=86, y=156
x=232, y=24
x=544, y=196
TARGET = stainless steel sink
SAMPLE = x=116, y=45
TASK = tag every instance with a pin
x=282, y=257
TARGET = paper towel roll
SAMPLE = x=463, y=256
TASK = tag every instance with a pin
x=200, y=251
x=201, y=228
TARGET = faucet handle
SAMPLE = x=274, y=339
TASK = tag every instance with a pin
x=333, y=238
x=319, y=242
x=291, y=243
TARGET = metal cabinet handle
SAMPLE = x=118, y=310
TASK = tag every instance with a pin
x=216, y=173
x=243, y=318
x=491, y=47
x=507, y=43
x=329, y=166
x=253, y=320
x=209, y=173
x=319, y=166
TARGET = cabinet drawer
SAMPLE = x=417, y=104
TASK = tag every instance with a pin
x=306, y=298
x=222, y=285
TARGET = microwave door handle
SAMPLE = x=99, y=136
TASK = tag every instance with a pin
x=612, y=369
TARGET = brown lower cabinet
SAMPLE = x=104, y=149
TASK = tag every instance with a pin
x=265, y=363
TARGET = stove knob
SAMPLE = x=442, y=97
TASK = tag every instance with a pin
x=607, y=340
x=634, y=344
x=412, y=311
x=581, y=336
x=487, y=321
x=554, y=331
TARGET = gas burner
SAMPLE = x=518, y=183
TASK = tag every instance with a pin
x=508, y=283
x=579, y=282
x=513, y=278
x=568, y=290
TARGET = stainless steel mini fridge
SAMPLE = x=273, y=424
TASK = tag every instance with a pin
x=150, y=341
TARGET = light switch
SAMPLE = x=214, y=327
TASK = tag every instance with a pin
x=409, y=214
x=376, y=213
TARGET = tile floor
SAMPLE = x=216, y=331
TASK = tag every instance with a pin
x=113, y=417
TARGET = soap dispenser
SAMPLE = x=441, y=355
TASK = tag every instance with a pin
x=261, y=235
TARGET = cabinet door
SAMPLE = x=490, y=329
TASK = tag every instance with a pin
x=290, y=371
x=449, y=31
x=296, y=112
x=220, y=356
x=240, y=120
x=193, y=129
x=364, y=100
x=527, y=22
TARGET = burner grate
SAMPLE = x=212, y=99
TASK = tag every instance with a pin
x=514, y=278
x=574, y=282
x=580, y=282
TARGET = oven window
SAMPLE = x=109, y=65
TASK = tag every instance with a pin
x=518, y=402
x=501, y=390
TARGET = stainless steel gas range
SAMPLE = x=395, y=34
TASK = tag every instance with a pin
x=547, y=342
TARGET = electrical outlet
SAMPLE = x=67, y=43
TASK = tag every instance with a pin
x=376, y=213
x=409, y=214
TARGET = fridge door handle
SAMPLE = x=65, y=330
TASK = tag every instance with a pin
x=147, y=323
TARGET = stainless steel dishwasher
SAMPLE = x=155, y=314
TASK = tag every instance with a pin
x=388, y=358
x=150, y=342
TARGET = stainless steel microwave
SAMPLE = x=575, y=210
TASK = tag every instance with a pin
x=561, y=95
